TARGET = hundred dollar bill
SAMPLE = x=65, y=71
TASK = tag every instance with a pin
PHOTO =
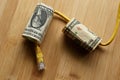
x=82, y=35
x=38, y=23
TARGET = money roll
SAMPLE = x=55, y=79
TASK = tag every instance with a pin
x=82, y=35
x=38, y=23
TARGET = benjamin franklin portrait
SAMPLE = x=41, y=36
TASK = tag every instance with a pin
x=39, y=18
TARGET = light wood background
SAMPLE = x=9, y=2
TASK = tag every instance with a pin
x=63, y=59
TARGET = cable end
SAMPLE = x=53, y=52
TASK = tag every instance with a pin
x=41, y=66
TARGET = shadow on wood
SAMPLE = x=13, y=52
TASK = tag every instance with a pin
x=77, y=50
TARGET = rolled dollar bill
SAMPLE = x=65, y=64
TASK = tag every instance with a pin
x=82, y=35
x=38, y=23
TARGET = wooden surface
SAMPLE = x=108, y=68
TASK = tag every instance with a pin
x=62, y=58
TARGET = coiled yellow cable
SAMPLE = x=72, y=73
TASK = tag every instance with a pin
x=113, y=34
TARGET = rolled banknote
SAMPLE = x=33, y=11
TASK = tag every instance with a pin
x=38, y=23
x=82, y=35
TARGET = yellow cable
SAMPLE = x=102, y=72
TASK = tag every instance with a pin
x=115, y=30
x=113, y=34
x=39, y=56
x=62, y=15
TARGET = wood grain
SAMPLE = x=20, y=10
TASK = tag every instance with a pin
x=63, y=59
